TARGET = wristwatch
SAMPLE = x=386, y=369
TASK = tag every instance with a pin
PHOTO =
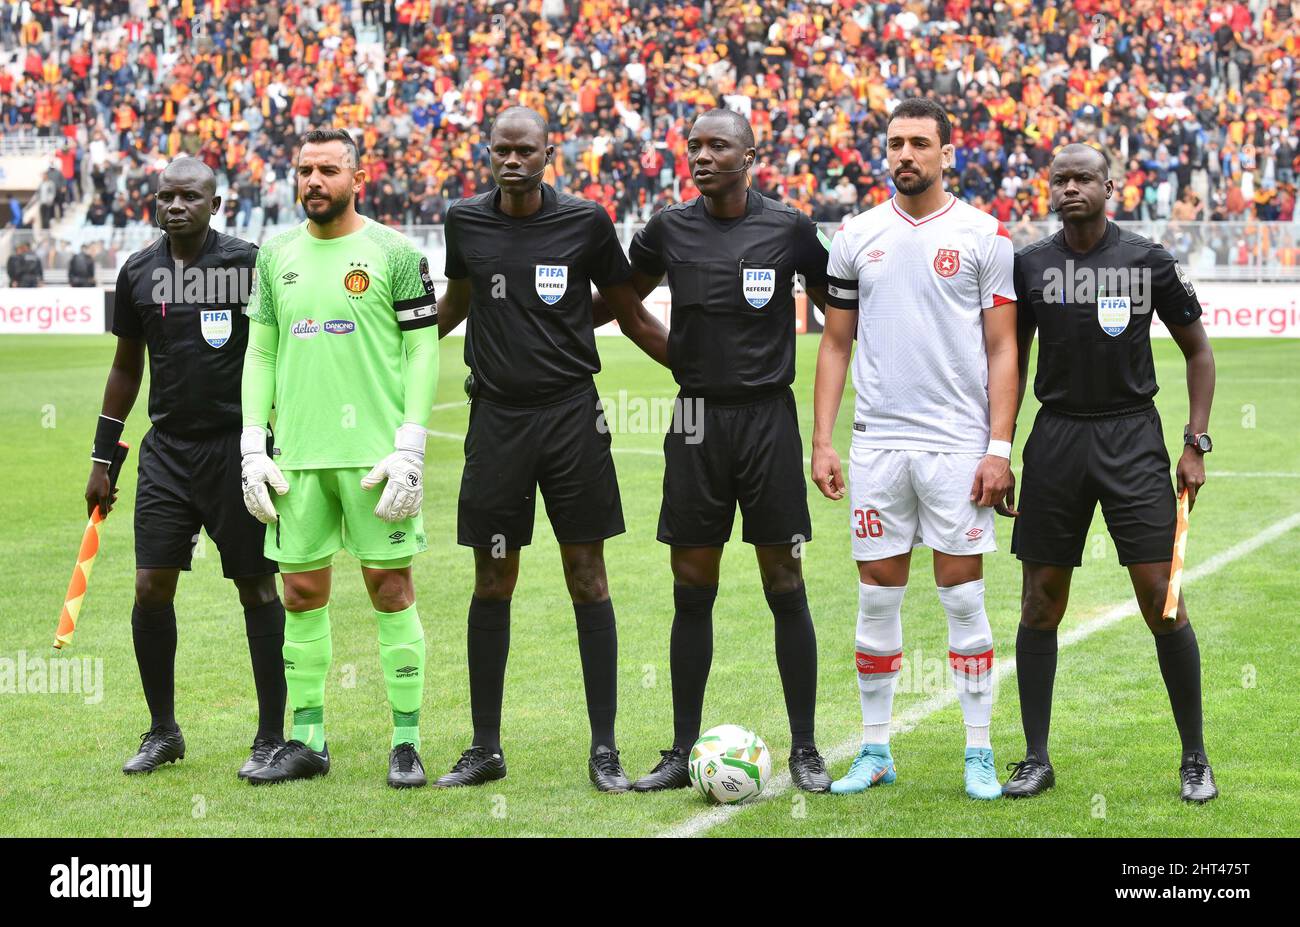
x=1201, y=442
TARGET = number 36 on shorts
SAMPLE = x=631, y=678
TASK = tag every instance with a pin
x=866, y=523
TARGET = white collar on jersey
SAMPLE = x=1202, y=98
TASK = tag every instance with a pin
x=952, y=201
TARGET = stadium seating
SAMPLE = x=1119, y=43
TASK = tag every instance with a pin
x=1193, y=100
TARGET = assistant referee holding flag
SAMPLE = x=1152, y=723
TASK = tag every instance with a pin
x=521, y=260
x=730, y=256
x=189, y=462
x=1090, y=290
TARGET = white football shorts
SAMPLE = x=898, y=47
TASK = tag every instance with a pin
x=902, y=499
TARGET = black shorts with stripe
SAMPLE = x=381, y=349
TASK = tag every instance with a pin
x=1071, y=463
x=190, y=484
x=562, y=449
x=717, y=456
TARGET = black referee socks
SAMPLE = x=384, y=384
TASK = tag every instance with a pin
x=1035, y=677
x=264, y=625
x=796, y=659
x=690, y=655
x=598, y=648
x=1180, y=665
x=489, y=646
x=153, y=631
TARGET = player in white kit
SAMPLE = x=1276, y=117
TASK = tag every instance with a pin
x=924, y=282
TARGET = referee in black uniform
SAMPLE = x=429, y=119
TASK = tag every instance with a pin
x=1090, y=290
x=189, y=474
x=521, y=260
x=730, y=256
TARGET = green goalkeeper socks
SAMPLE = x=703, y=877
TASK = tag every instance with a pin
x=307, y=653
x=401, y=651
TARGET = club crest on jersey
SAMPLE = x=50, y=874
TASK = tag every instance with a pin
x=551, y=280
x=356, y=281
x=758, y=284
x=1113, y=313
x=216, y=325
x=947, y=262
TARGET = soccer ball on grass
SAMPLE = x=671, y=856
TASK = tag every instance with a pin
x=729, y=764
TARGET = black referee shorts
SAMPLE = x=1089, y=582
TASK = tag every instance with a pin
x=751, y=454
x=1071, y=463
x=511, y=451
x=190, y=483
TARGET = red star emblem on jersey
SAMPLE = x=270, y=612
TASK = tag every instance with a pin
x=947, y=262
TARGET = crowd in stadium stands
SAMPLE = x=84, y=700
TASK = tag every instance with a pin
x=1193, y=100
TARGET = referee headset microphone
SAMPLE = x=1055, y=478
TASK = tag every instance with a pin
x=545, y=165
x=733, y=170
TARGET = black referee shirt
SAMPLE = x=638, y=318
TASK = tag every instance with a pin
x=1093, y=314
x=530, y=340
x=733, y=324
x=195, y=329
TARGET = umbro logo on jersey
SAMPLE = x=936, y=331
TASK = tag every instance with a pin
x=405, y=671
x=947, y=262
x=874, y=256
x=290, y=277
x=974, y=533
x=396, y=536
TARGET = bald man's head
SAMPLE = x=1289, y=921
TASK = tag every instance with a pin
x=1079, y=184
x=514, y=114
x=187, y=198
x=188, y=168
x=1087, y=153
x=719, y=153
x=518, y=150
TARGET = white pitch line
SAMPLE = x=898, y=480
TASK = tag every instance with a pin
x=1259, y=474
x=706, y=820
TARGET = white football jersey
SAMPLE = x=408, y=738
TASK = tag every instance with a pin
x=920, y=287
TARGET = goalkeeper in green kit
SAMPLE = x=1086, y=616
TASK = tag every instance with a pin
x=345, y=346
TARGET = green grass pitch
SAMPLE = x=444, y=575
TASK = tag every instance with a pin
x=1114, y=743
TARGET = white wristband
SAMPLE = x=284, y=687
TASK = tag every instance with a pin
x=411, y=438
x=252, y=440
x=999, y=449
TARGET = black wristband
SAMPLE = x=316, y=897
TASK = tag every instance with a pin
x=107, y=433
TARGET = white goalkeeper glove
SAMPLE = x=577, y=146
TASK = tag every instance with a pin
x=403, y=497
x=257, y=472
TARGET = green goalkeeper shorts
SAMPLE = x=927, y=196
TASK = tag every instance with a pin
x=325, y=510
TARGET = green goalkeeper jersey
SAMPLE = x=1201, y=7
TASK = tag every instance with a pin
x=339, y=307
